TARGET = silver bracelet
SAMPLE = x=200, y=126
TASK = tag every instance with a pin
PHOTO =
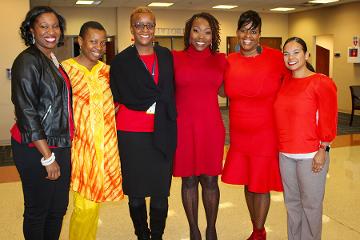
x=48, y=161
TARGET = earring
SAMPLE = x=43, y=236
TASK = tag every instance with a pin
x=258, y=49
x=33, y=39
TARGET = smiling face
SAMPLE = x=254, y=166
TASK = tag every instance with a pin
x=294, y=56
x=143, y=29
x=93, y=44
x=248, y=39
x=46, y=31
x=200, y=34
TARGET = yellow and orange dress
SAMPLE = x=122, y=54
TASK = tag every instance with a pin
x=95, y=173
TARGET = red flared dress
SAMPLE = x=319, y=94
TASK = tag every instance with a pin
x=201, y=132
x=251, y=83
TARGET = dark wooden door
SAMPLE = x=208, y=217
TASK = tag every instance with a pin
x=273, y=42
x=231, y=43
x=322, y=60
x=110, y=50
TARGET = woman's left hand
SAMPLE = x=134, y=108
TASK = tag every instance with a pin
x=318, y=161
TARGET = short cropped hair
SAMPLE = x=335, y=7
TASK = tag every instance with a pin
x=91, y=24
x=141, y=9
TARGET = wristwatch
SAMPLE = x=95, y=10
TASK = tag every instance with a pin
x=325, y=147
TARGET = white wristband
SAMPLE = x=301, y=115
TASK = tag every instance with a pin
x=48, y=161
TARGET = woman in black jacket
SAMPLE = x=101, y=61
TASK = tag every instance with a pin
x=141, y=79
x=41, y=136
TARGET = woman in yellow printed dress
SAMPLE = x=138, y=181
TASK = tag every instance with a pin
x=95, y=174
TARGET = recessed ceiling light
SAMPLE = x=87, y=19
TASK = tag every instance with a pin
x=282, y=9
x=160, y=4
x=224, y=6
x=82, y=2
x=323, y=1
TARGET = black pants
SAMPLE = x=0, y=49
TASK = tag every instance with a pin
x=45, y=200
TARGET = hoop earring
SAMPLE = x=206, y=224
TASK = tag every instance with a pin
x=33, y=39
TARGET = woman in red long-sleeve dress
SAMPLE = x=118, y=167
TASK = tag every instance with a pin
x=252, y=79
x=199, y=73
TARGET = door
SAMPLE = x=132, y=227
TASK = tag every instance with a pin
x=170, y=42
x=110, y=50
x=66, y=51
x=273, y=42
x=322, y=60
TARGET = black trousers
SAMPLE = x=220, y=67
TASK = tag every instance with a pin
x=45, y=200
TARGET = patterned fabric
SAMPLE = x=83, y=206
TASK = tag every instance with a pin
x=95, y=173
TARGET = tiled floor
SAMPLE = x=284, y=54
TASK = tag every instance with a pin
x=340, y=219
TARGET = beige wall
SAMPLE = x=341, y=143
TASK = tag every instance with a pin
x=11, y=45
x=75, y=17
x=343, y=23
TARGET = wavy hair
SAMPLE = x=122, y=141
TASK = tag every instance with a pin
x=30, y=19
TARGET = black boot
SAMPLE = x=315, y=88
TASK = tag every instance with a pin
x=157, y=222
x=139, y=217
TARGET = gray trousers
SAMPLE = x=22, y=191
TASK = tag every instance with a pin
x=303, y=194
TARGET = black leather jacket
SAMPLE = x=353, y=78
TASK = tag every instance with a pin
x=40, y=96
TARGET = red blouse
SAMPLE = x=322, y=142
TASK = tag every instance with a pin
x=138, y=121
x=306, y=113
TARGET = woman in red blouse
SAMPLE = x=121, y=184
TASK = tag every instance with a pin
x=306, y=117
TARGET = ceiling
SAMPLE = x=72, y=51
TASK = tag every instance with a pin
x=200, y=5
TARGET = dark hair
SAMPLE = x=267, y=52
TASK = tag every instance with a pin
x=215, y=30
x=90, y=24
x=30, y=18
x=252, y=17
x=304, y=48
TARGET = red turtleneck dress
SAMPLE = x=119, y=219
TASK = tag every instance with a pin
x=201, y=133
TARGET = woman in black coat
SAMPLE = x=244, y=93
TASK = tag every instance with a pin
x=141, y=78
x=41, y=137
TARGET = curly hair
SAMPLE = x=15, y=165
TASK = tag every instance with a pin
x=215, y=30
x=30, y=19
